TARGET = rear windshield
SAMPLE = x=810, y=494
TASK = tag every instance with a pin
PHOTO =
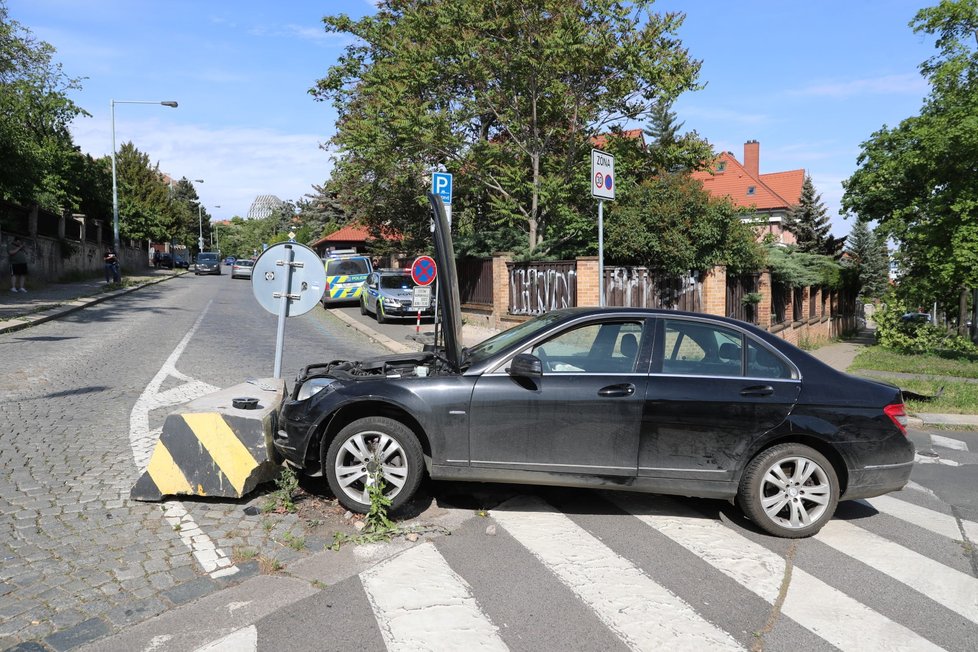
x=347, y=266
x=207, y=258
x=245, y=263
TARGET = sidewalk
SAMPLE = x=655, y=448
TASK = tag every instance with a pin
x=19, y=310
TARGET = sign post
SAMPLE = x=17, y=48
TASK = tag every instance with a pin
x=423, y=272
x=602, y=188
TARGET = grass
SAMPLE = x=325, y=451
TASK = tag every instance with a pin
x=957, y=398
x=963, y=365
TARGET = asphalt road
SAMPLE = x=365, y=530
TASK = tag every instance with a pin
x=542, y=569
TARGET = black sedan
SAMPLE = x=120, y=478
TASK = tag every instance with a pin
x=641, y=400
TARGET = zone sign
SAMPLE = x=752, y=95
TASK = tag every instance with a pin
x=602, y=175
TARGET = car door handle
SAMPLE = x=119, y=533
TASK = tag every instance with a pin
x=626, y=389
x=757, y=390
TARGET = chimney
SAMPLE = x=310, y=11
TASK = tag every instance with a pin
x=752, y=158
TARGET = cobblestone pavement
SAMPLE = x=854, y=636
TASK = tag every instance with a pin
x=80, y=560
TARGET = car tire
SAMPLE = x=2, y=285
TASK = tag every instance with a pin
x=363, y=307
x=381, y=317
x=789, y=490
x=372, y=441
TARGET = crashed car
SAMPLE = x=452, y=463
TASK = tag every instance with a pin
x=617, y=398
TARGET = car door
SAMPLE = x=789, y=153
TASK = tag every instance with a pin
x=582, y=415
x=713, y=390
x=371, y=291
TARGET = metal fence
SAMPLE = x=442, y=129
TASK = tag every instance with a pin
x=538, y=287
x=635, y=287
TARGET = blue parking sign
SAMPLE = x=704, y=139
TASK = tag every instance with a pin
x=441, y=184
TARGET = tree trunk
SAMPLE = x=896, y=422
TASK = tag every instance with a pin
x=534, y=199
x=963, y=313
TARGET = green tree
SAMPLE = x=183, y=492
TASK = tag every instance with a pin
x=670, y=151
x=144, y=198
x=40, y=162
x=670, y=224
x=506, y=95
x=810, y=223
x=868, y=260
x=917, y=180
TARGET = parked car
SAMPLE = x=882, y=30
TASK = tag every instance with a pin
x=390, y=293
x=230, y=260
x=618, y=398
x=165, y=261
x=181, y=263
x=916, y=318
x=242, y=268
x=345, y=274
x=208, y=262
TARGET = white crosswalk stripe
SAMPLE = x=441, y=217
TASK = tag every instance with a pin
x=849, y=587
x=421, y=604
x=643, y=614
x=948, y=442
x=826, y=611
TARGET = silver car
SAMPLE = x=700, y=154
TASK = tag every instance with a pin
x=242, y=268
x=390, y=293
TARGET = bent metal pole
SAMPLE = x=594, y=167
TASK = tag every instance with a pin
x=283, y=311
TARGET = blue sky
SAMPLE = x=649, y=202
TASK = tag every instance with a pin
x=809, y=80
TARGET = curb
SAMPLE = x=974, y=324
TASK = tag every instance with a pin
x=73, y=305
x=380, y=338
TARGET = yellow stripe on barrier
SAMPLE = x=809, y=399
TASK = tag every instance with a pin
x=227, y=451
x=166, y=474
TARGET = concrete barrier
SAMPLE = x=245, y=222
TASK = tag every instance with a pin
x=209, y=447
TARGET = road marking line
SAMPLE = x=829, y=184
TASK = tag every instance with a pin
x=643, y=614
x=420, y=603
x=947, y=442
x=937, y=522
x=241, y=640
x=944, y=585
x=923, y=459
x=831, y=614
x=142, y=440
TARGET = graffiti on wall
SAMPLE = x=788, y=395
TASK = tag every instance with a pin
x=635, y=287
x=535, y=288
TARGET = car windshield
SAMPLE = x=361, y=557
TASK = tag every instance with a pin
x=396, y=282
x=207, y=258
x=347, y=266
x=500, y=341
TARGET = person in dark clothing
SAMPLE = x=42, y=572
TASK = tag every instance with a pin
x=112, y=266
x=17, y=252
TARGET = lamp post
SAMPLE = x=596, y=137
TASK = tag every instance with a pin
x=216, y=239
x=200, y=223
x=115, y=186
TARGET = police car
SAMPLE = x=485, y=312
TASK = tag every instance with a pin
x=345, y=274
x=390, y=293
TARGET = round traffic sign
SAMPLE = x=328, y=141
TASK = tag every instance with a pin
x=307, y=280
x=424, y=270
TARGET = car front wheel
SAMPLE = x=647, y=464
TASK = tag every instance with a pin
x=371, y=448
x=789, y=490
x=381, y=317
x=363, y=306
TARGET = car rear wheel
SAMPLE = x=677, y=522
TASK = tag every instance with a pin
x=789, y=490
x=366, y=449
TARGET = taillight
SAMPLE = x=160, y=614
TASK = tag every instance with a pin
x=897, y=415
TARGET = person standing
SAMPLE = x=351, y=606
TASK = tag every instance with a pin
x=17, y=252
x=112, y=266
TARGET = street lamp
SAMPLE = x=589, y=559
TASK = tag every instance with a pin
x=115, y=187
x=200, y=222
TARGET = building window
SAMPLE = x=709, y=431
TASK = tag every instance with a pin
x=721, y=166
x=751, y=190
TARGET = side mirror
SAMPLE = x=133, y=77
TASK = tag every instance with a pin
x=525, y=365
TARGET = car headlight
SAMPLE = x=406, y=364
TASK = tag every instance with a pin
x=394, y=303
x=312, y=387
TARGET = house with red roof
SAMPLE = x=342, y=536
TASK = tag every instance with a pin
x=769, y=196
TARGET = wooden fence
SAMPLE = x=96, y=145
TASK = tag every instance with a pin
x=538, y=287
x=635, y=287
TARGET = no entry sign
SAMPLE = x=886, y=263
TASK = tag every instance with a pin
x=424, y=270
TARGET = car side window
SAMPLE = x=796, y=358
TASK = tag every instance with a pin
x=761, y=363
x=610, y=347
x=693, y=348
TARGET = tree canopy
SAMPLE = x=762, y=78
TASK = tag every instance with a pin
x=918, y=181
x=505, y=95
x=810, y=224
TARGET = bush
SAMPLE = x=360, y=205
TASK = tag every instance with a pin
x=914, y=337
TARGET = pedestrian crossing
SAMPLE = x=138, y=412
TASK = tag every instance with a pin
x=617, y=571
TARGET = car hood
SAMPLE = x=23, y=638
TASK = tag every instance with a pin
x=450, y=306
